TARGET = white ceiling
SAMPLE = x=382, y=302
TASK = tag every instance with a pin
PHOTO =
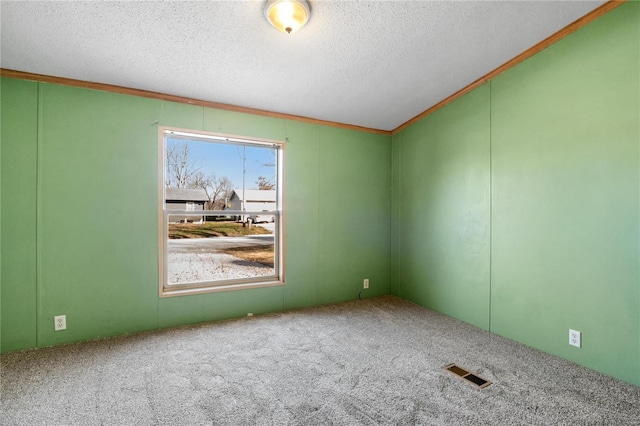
x=375, y=64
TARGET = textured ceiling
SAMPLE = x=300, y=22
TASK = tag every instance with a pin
x=375, y=64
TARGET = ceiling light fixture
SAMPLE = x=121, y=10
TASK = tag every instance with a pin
x=287, y=16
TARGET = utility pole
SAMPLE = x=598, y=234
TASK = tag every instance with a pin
x=244, y=174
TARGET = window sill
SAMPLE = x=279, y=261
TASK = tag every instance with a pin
x=171, y=292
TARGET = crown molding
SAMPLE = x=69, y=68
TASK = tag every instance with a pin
x=180, y=99
x=554, y=38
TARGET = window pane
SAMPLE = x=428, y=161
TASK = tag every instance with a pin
x=235, y=185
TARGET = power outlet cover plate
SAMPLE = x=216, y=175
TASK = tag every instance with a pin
x=60, y=322
x=366, y=283
x=575, y=338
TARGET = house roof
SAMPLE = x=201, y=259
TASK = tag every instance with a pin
x=375, y=64
x=183, y=194
x=255, y=195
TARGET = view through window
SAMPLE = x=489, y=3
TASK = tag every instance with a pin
x=221, y=212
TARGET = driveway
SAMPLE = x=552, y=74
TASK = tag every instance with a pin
x=201, y=259
x=215, y=244
x=269, y=226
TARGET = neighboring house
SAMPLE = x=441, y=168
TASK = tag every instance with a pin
x=255, y=200
x=185, y=199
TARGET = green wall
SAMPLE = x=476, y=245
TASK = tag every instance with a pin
x=19, y=127
x=79, y=214
x=517, y=206
x=444, y=178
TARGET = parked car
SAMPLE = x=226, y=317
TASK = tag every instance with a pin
x=258, y=218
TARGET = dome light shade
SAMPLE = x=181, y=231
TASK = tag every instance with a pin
x=287, y=16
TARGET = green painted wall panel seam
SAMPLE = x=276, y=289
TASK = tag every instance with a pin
x=637, y=10
x=398, y=153
x=0, y=220
x=490, y=199
x=38, y=224
x=318, y=221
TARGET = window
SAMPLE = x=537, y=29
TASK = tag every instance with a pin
x=220, y=212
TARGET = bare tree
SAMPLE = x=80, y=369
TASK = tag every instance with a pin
x=181, y=170
x=264, y=184
x=218, y=190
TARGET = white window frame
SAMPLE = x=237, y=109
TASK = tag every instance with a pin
x=170, y=290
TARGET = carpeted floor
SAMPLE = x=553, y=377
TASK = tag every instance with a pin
x=371, y=362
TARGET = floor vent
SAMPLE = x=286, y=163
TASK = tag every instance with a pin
x=472, y=378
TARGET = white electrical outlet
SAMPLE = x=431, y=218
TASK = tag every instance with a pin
x=366, y=283
x=575, y=338
x=60, y=322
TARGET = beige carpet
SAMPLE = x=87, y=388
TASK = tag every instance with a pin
x=371, y=362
